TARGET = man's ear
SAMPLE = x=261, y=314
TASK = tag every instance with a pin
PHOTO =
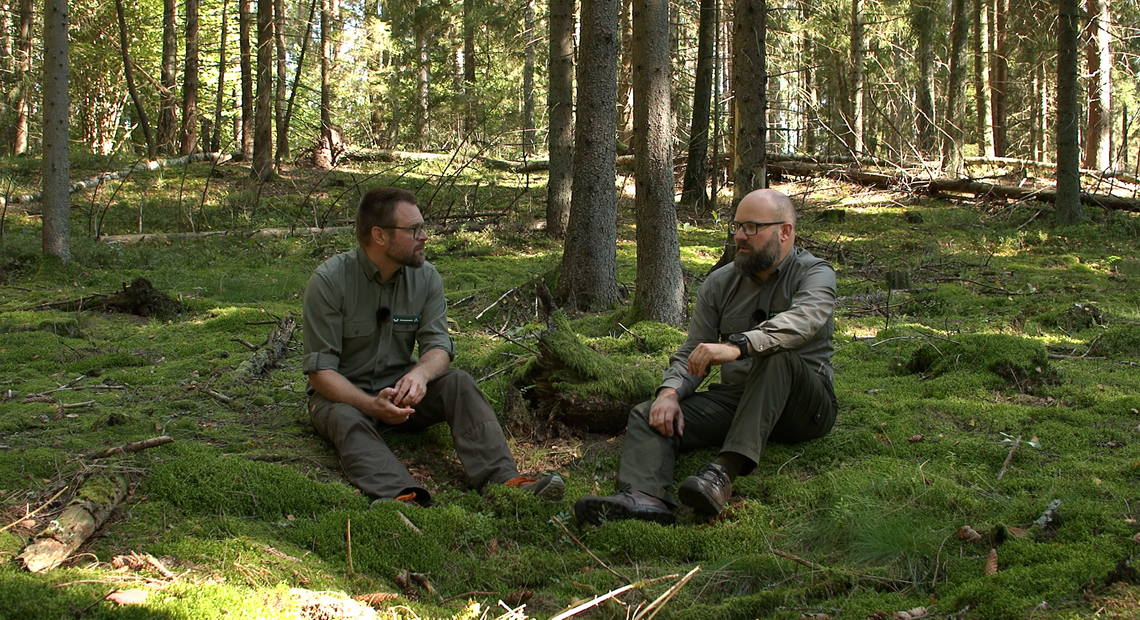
x=379, y=236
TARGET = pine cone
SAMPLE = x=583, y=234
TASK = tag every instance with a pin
x=991, y=562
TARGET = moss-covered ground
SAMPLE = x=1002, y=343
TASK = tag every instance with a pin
x=1012, y=332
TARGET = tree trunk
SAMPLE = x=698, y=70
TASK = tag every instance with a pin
x=560, y=94
x=589, y=261
x=168, y=101
x=216, y=138
x=245, y=23
x=129, y=74
x=697, y=170
x=952, y=155
x=528, y=81
x=262, y=168
x=325, y=153
x=858, y=52
x=300, y=66
x=985, y=128
x=1098, y=143
x=922, y=22
x=23, y=81
x=470, y=100
x=999, y=75
x=282, y=150
x=750, y=83
x=660, y=285
x=188, y=136
x=56, y=167
x=625, y=76
x=423, y=76
x=1069, y=210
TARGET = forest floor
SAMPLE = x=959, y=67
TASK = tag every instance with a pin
x=996, y=378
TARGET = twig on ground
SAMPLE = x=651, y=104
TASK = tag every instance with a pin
x=501, y=298
x=500, y=334
x=348, y=538
x=659, y=603
x=467, y=594
x=408, y=522
x=131, y=447
x=101, y=386
x=218, y=395
x=86, y=403
x=1009, y=457
x=422, y=579
x=593, y=602
x=79, y=614
x=246, y=343
x=158, y=566
x=34, y=512
x=590, y=553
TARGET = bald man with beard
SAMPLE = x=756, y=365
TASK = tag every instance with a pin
x=767, y=320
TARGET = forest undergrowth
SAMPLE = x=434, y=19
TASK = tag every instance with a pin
x=985, y=462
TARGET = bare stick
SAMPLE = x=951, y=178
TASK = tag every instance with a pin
x=215, y=394
x=590, y=553
x=132, y=447
x=153, y=561
x=659, y=602
x=798, y=560
x=501, y=298
x=86, y=403
x=591, y=603
x=34, y=512
x=408, y=522
x=348, y=537
x=1005, y=465
x=246, y=343
x=79, y=614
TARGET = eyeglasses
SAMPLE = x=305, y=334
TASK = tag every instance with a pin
x=416, y=230
x=751, y=228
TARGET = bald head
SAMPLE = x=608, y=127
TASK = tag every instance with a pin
x=766, y=205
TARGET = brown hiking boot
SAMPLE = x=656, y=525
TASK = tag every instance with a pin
x=708, y=491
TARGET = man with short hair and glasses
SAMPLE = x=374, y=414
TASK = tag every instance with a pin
x=767, y=320
x=365, y=311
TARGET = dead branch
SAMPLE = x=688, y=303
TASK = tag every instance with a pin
x=82, y=517
x=275, y=349
x=1009, y=458
x=131, y=447
x=590, y=553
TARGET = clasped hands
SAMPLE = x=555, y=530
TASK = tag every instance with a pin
x=394, y=405
x=665, y=415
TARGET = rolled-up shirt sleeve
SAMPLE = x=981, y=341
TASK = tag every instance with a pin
x=703, y=328
x=323, y=325
x=432, y=333
x=812, y=306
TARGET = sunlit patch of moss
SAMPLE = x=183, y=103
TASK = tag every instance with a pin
x=1119, y=342
x=10, y=545
x=1011, y=357
x=201, y=483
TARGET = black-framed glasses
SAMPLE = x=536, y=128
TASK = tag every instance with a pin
x=751, y=228
x=415, y=230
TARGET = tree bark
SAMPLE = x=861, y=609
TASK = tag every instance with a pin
x=325, y=153
x=300, y=66
x=589, y=261
x=56, y=167
x=24, y=83
x=660, y=284
x=82, y=517
x=282, y=150
x=129, y=74
x=262, y=168
x=1069, y=210
x=858, y=52
x=999, y=75
x=188, y=136
x=560, y=94
x=985, y=128
x=695, y=191
x=952, y=154
x=1098, y=143
x=922, y=22
x=750, y=84
x=423, y=75
x=625, y=75
x=216, y=137
x=528, y=81
x=168, y=101
x=470, y=100
x=245, y=23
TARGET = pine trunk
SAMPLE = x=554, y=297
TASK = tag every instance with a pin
x=858, y=52
x=188, y=136
x=528, y=81
x=56, y=120
x=23, y=79
x=999, y=75
x=695, y=190
x=985, y=128
x=1098, y=143
x=953, y=158
x=1069, y=210
x=560, y=93
x=216, y=138
x=282, y=151
x=660, y=285
x=245, y=27
x=168, y=102
x=922, y=24
x=589, y=261
x=262, y=168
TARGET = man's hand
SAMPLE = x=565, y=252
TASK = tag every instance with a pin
x=409, y=390
x=711, y=354
x=665, y=414
x=383, y=409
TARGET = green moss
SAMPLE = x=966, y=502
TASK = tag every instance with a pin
x=1119, y=342
x=1014, y=358
x=88, y=365
x=591, y=373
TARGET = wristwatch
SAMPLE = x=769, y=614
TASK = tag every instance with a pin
x=741, y=341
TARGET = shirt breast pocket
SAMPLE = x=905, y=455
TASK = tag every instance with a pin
x=404, y=330
x=358, y=337
x=735, y=324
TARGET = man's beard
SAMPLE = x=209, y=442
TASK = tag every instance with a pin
x=410, y=259
x=758, y=260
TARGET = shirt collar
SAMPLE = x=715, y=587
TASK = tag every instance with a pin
x=371, y=272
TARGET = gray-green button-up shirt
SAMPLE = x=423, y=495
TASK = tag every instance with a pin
x=798, y=301
x=344, y=332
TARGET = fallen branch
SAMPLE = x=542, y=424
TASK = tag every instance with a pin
x=659, y=603
x=590, y=553
x=593, y=602
x=275, y=349
x=85, y=514
x=218, y=395
x=1005, y=465
x=244, y=234
x=136, y=446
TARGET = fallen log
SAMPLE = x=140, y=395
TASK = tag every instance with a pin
x=82, y=517
x=139, y=298
x=260, y=232
x=274, y=350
